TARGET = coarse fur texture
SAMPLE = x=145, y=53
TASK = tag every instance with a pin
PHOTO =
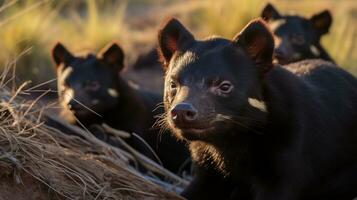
x=296, y=37
x=93, y=91
x=298, y=143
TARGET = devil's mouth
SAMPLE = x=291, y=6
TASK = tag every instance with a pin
x=194, y=133
x=196, y=130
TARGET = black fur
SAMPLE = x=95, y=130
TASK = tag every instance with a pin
x=92, y=89
x=297, y=37
x=147, y=60
x=259, y=131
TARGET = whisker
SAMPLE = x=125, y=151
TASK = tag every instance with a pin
x=232, y=119
x=41, y=84
x=159, y=105
x=86, y=107
x=161, y=123
x=52, y=91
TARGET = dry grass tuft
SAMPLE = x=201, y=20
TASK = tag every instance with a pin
x=40, y=162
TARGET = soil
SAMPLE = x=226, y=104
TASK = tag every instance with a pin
x=23, y=186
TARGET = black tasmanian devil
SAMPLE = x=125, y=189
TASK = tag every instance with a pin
x=92, y=89
x=258, y=130
x=297, y=37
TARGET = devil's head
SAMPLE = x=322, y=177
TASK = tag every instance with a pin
x=297, y=37
x=88, y=85
x=215, y=84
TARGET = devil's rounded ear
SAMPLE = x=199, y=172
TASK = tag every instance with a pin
x=113, y=55
x=270, y=13
x=61, y=55
x=258, y=42
x=172, y=37
x=322, y=21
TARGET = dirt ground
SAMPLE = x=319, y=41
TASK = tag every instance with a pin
x=22, y=187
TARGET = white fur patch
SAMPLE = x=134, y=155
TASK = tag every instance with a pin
x=133, y=85
x=277, y=41
x=95, y=101
x=257, y=104
x=68, y=95
x=187, y=58
x=314, y=50
x=113, y=92
x=66, y=72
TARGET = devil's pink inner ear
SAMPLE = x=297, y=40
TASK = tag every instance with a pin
x=172, y=37
x=319, y=24
x=115, y=59
x=113, y=55
x=258, y=42
x=256, y=46
x=322, y=21
x=255, y=38
x=112, y=58
x=171, y=43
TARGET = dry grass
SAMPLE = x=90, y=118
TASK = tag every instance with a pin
x=40, y=162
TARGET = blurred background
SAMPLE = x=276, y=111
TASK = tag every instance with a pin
x=29, y=29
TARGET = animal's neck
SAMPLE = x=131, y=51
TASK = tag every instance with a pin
x=232, y=148
x=234, y=157
x=243, y=150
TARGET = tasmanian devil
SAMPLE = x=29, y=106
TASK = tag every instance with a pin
x=297, y=37
x=258, y=130
x=92, y=89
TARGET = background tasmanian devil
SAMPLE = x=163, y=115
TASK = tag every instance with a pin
x=93, y=90
x=297, y=37
x=259, y=131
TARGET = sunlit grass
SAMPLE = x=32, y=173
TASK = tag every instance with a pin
x=41, y=25
x=228, y=17
x=94, y=27
x=88, y=25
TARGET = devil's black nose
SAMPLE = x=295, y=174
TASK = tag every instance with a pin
x=184, y=112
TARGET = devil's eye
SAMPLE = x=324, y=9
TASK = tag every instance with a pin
x=173, y=89
x=224, y=88
x=298, y=39
x=172, y=85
